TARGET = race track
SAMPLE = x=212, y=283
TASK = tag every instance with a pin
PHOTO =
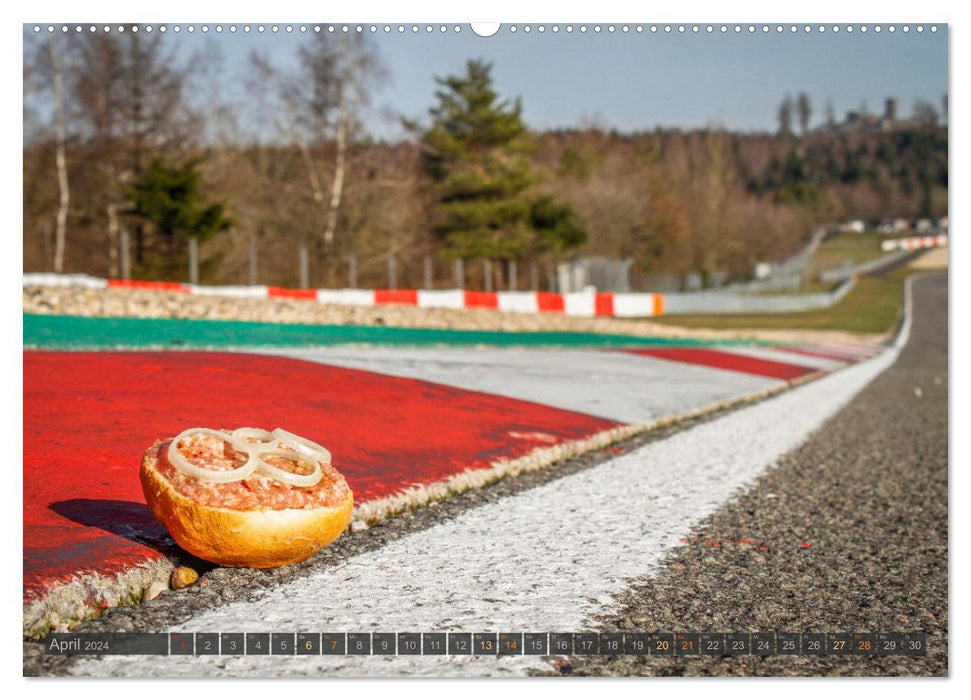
x=553, y=555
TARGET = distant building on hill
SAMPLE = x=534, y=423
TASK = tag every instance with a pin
x=864, y=122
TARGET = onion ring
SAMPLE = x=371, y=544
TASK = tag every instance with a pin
x=283, y=475
x=301, y=444
x=302, y=451
x=264, y=437
x=187, y=468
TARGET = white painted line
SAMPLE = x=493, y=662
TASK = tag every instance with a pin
x=633, y=305
x=615, y=385
x=50, y=279
x=350, y=297
x=547, y=559
x=579, y=304
x=441, y=299
x=851, y=350
x=520, y=302
x=240, y=291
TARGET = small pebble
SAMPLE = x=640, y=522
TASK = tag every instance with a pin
x=918, y=392
x=183, y=577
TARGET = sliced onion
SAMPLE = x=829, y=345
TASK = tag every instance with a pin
x=301, y=444
x=283, y=475
x=303, y=451
x=187, y=468
x=265, y=437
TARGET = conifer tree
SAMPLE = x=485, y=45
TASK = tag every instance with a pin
x=478, y=153
x=171, y=199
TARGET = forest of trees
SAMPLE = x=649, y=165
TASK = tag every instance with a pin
x=123, y=167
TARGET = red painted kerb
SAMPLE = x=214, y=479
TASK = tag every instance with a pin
x=88, y=417
x=735, y=362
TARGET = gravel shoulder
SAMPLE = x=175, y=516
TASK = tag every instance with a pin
x=138, y=303
x=855, y=532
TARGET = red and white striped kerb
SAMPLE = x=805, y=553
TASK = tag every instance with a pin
x=915, y=242
x=585, y=303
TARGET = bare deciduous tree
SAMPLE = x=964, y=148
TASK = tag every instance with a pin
x=44, y=82
x=64, y=199
x=321, y=103
x=128, y=89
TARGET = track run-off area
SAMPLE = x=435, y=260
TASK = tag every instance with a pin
x=409, y=424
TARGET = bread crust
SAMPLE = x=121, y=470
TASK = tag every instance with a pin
x=259, y=539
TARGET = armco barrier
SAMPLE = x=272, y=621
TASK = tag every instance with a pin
x=734, y=303
x=837, y=274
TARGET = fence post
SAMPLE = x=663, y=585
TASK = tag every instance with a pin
x=512, y=276
x=392, y=272
x=252, y=263
x=352, y=271
x=487, y=275
x=47, y=239
x=534, y=277
x=125, y=254
x=460, y=273
x=304, y=268
x=193, y=260
x=428, y=272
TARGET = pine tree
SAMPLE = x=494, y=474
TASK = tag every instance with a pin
x=477, y=151
x=170, y=198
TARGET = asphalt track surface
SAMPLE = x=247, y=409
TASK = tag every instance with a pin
x=867, y=492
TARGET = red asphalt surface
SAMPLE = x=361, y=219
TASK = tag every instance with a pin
x=728, y=360
x=89, y=416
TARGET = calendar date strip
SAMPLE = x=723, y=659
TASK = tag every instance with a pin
x=490, y=643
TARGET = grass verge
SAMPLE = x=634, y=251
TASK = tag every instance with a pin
x=871, y=307
x=853, y=247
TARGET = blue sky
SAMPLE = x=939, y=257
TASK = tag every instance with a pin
x=639, y=81
x=629, y=81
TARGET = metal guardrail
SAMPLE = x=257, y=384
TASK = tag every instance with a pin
x=842, y=273
x=738, y=303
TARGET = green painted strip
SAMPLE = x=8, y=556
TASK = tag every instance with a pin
x=85, y=333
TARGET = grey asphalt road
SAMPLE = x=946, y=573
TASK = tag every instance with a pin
x=854, y=526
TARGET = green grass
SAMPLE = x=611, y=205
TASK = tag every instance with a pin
x=871, y=307
x=855, y=247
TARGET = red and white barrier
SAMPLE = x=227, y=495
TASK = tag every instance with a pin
x=915, y=242
x=586, y=303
